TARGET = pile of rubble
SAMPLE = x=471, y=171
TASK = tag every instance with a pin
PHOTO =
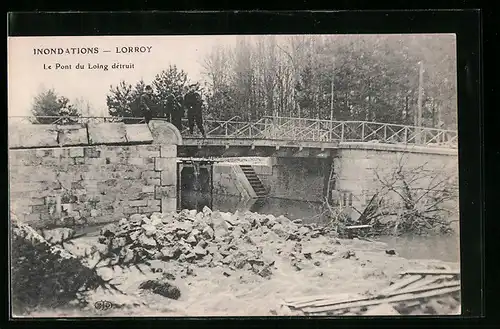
x=203, y=238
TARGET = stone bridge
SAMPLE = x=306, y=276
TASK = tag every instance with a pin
x=101, y=171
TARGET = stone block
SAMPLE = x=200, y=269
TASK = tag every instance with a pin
x=130, y=210
x=148, y=189
x=147, y=151
x=32, y=218
x=107, y=133
x=26, y=187
x=168, y=205
x=92, y=152
x=164, y=133
x=138, y=203
x=165, y=191
x=136, y=161
x=166, y=164
x=37, y=174
x=79, y=160
x=153, y=181
x=72, y=135
x=168, y=151
x=150, y=175
x=76, y=152
x=149, y=209
x=40, y=209
x=154, y=202
x=138, y=133
x=32, y=135
x=168, y=178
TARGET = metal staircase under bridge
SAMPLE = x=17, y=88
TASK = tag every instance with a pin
x=254, y=181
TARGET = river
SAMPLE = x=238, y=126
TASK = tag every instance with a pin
x=445, y=248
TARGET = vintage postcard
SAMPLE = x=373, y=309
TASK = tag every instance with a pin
x=233, y=175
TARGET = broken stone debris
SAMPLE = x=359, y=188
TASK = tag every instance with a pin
x=207, y=238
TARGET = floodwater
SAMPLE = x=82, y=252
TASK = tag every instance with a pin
x=445, y=248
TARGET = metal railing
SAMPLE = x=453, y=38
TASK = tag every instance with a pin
x=288, y=128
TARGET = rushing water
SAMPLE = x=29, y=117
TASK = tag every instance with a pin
x=445, y=248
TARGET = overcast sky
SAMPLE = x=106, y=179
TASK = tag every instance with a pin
x=27, y=76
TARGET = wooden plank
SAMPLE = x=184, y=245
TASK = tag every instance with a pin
x=431, y=272
x=401, y=284
x=381, y=299
x=426, y=280
x=395, y=299
x=296, y=302
x=357, y=227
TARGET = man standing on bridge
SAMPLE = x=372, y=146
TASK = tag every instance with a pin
x=174, y=110
x=193, y=103
x=147, y=104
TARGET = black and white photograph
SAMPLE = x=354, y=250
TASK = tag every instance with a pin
x=233, y=175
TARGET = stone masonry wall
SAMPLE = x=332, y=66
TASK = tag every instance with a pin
x=357, y=169
x=84, y=185
x=295, y=178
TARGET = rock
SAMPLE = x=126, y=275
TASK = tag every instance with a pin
x=303, y=230
x=127, y=255
x=167, y=218
x=217, y=257
x=272, y=222
x=307, y=255
x=170, y=253
x=181, y=233
x=206, y=210
x=279, y=230
x=158, y=255
x=106, y=273
x=211, y=249
x=315, y=234
x=293, y=237
x=199, y=251
x=168, y=276
x=161, y=287
x=297, y=221
x=118, y=243
x=110, y=230
x=185, y=226
x=390, y=252
x=156, y=219
x=245, y=225
x=191, y=240
x=134, y=235
x=232, y=219
x=190, y=256
x=135, y=218
x=227, y=260
x=191, y=215
x=147, y=242
x=219, y=225
x=149, y=229
x=326, y=251
x=202, y=243
x=195, y=232
x=317, y=263
x=348, y=254
x=123, y=222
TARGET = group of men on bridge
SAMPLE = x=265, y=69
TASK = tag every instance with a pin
x=173, y=108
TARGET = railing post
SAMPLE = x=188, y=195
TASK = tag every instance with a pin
x=363, y=131
x=342, y=133
x=406, y=136
x=385, y=133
